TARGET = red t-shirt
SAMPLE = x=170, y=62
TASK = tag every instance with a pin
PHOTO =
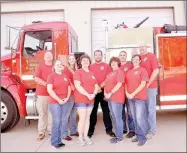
x=88, y=82
x=42, y=72
x=100, y=71
x=133, y=79
x=126, y=67
x=150, y=63
x=111, y=80
x=69, y=74
x=60, y=86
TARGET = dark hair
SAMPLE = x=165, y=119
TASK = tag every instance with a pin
x=85, y=56
x=136, y=55
x=122, y=52
x=115, y=59
x=98, y=51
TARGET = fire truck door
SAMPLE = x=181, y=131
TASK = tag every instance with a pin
x=172, y=57
x=32, y=54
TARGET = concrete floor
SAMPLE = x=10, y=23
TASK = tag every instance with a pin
x=170, y=137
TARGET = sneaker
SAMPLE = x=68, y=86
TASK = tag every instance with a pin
x=81, y=141
x=41, y=137
x=149, y=135
x=135, y=140
x=116, y=140
x=141, y=143
x=130, y=134
x=113, y=139
x=68, y=138
x=88, y=141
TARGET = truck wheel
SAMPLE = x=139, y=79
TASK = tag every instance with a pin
x=9, y=112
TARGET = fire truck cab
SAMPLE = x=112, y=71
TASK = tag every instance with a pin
x=18, y=97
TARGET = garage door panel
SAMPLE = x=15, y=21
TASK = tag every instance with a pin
x=20, y=19
x=157, y=18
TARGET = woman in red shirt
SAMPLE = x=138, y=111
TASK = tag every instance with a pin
x=115, y=94
x=58, y=87
x=136, y=92
x=69, y=70
x=86, y=89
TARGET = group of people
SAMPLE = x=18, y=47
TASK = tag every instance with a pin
x=119, y=86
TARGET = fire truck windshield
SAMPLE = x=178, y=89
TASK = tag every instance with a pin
x=36, y=41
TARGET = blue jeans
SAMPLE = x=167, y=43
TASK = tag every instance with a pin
x=151, y=109
x=130, y=120
x=82, y=105
x=59, y=122
x=116, y=112
x=72, y=115
x=139, y=115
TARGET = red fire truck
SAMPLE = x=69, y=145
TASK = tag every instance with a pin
x=17, y=84
x=18, y=87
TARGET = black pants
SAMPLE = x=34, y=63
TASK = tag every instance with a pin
x=106, y=113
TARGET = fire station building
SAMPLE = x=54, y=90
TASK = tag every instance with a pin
x=91, y=18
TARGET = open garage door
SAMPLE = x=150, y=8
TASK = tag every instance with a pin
x=21, y=19
x=157, y=18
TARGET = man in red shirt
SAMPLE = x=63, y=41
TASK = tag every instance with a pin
x=42, y=72
x=150, y=63
x=100, y=71
x=125, y=67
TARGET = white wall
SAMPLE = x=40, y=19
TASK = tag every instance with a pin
x=78, y=13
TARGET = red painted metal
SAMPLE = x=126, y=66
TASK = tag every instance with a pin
x=11, y=70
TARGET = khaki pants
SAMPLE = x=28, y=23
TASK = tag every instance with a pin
x=45, y=118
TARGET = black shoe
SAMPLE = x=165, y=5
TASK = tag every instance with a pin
x=90, y=134
x=124, y=132
x=130, y=134
x=135, y=140
x=61, y=145
x=110, y=133
x=58, y=145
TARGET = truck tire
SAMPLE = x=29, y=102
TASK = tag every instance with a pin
x=9, y=112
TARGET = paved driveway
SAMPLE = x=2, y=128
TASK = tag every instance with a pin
x=170, y=137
